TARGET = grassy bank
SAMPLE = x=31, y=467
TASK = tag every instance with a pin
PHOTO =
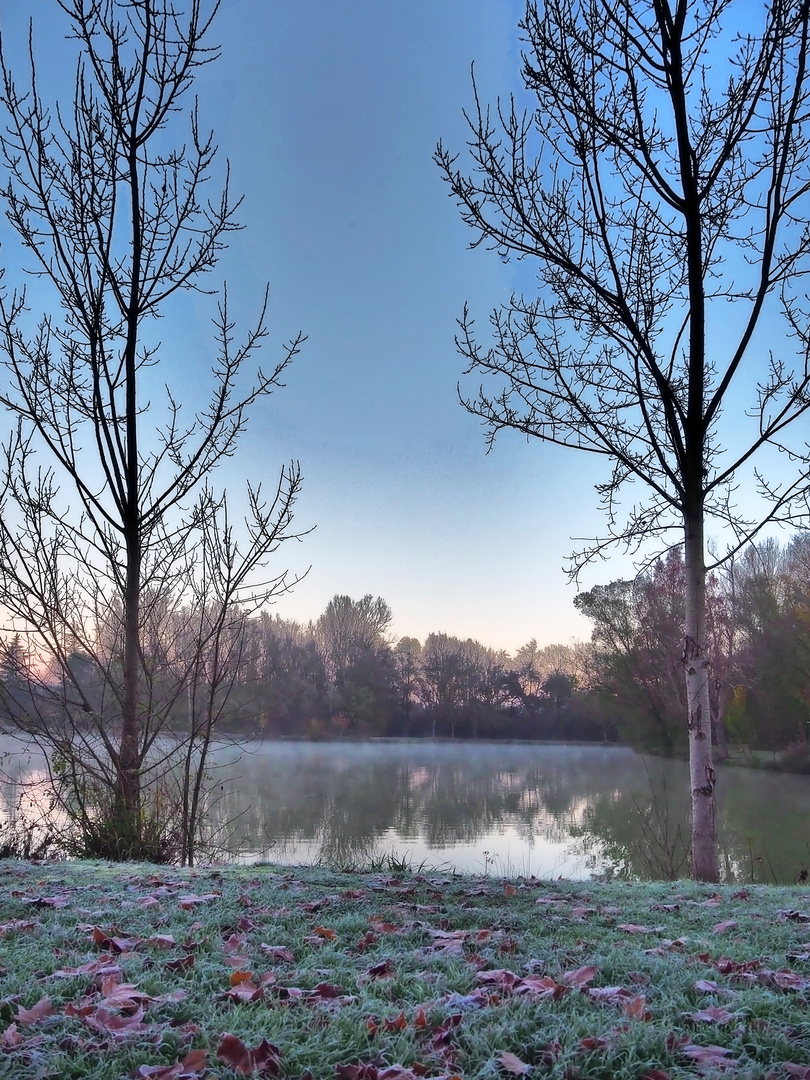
x=111, y=972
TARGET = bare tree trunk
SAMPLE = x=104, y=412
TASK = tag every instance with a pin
x=696, y=664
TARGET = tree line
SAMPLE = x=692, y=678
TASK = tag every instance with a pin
x=341, y=675
x=345, y=675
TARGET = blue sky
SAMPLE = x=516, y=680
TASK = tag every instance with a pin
x=329, y=114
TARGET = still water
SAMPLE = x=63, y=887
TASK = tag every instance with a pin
x=506, y=809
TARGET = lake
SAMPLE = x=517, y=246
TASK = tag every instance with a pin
x=575, y=811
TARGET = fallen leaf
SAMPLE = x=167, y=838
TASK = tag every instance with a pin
x=265, y=1059
x=193, y=1065
x=717, y=1056
x=729, y=924
x=513, y=1064
x=37, y=1012
x=186, y=903
x=278, y=952
x=716, y=1014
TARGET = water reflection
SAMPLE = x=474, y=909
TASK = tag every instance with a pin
x=574, y=811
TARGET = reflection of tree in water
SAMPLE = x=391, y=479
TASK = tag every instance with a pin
x=758, y=834
x=348, y=797
x=345, y=801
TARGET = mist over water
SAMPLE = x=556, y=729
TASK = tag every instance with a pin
x=513, y=809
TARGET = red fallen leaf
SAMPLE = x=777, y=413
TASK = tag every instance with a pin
x=186, y=903
x=741, y=894
x=734, y=967
x=794, y=916
x=366, y=941
x=513, y=1064
x=399, y=1023
x=717, y=1056
x=581, y=977
x=114, y=1024
x=595, y=1042
x=551, y=1053
x=420, y=1020
x=383, y=970
x=265, y=1059
x=39, y=1011
x=11, y=1038
x=182, y=963
x=245, y=923
x=278, y=952
x=161, y=941
x=244, y=992
x=16, y=924
x=234, y=944
x=542, y=987
x=46, y=901
x=240, y=977
x=509, y=891
x=636, y=1008
x=707, y=986
x=325, y=932
x=315, y=905
x=118, y=995
x=114, y=941
x=721, y=927
x=615, y=995
x=193, y=1065
x=147, y=901
x=354, y=894
x=383, y=927
x=326, y=990
x=785, y=980
x=714, y=1015
x=502, y=977
x=802, y=1072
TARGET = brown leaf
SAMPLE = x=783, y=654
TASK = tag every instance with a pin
x=716, y=1056
x=325, y=932
x=636, y=1008
x=265, y=1059
x=19, y=925
x=37, y=1012
x=398, y=1023
x=278, y=952
x=186, y=903
x=114, y=940
x=542, y=987
x=114, y=1024
x=383, y=970
x=244, y=992
x=513, y=1064
x=721, y=927
x=182, y=963
x=193, y=1065
x=581, y=977
x=716, y=1014
x=161, y=941
x=634, y=928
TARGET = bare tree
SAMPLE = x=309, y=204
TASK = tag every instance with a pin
x=660, y=175
x=116, y=553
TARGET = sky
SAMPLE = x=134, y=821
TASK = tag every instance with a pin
x=329, y=114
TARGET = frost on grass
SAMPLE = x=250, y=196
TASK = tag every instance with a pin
x=129, y=972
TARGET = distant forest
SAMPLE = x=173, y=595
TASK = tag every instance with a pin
x=344, y=675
